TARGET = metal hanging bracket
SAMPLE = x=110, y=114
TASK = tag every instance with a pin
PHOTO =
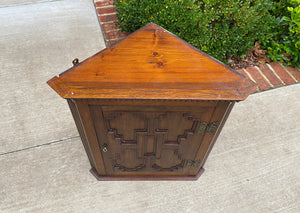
x=192, y=163
x=75, y=61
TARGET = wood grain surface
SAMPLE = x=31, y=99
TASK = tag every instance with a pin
x=152, y=63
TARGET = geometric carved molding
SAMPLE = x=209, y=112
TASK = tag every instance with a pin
x=125, y=169
x=176, y=167
x=148, y=139
x=170, y=169
x=149, y=127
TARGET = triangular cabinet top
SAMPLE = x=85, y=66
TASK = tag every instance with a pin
x=152, y=63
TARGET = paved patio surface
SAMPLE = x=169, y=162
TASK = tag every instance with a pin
x=254, y=166
x=39, y=41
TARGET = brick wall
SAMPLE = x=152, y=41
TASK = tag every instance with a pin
x=269, y=76
x=107, y=18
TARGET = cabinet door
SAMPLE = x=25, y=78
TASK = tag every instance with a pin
x=158, y=140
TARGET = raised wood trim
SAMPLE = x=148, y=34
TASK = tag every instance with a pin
x=152, y=102
x=146, y=177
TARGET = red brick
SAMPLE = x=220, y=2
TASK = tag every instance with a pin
x=261, y=82
x=111, y=43
x=124, y=34
x=108, y=18
x=106, y=10
x=101, y=3
x=285, y=77
x=294, y=71
x=115, y=35
x=109, y=27
x=270, y=75
x=241, y=71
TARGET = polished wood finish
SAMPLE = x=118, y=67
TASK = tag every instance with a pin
x=151, y=107
x=152, y=64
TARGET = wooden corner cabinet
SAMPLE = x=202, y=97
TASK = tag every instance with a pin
x=150, y=107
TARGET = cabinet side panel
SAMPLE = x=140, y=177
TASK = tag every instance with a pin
x=80, y=130
x=209, y=138
x=101, y=132
x=225, y=116
x=90, y=134
x=193, y=165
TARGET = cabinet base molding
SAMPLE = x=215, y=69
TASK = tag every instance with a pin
x=145, y=177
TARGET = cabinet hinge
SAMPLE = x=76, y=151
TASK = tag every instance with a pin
x=210, y=128
x=192, y=163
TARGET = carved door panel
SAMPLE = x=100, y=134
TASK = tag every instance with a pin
x=156, y=140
